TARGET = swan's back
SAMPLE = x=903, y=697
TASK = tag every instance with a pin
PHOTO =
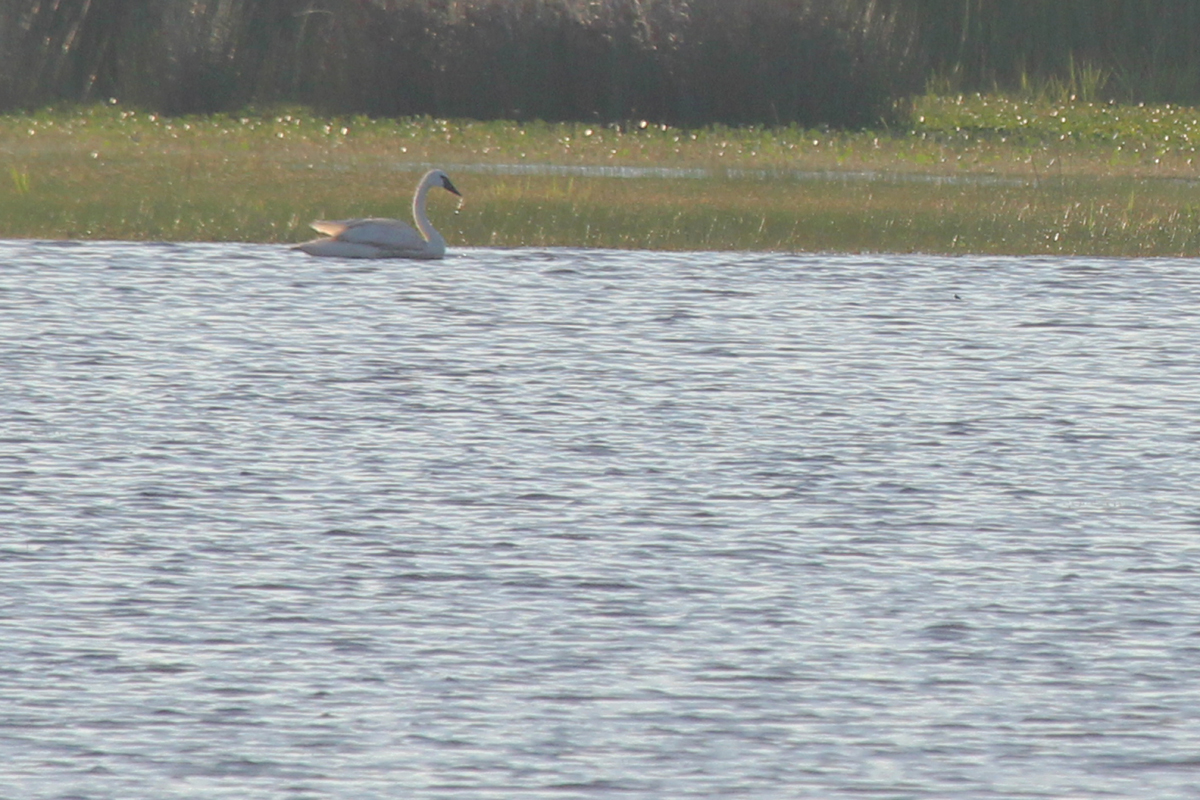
x=388, y=233
x=370, y=238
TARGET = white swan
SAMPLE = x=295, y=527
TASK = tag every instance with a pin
x=384, y=238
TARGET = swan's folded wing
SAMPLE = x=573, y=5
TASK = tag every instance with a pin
x=331, y=227
x=387, y=233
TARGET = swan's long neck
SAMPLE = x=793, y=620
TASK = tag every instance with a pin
x=436, y=244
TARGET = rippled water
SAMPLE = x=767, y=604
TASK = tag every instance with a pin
x=578, y=524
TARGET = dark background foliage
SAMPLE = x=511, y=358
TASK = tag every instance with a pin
x=837, y=62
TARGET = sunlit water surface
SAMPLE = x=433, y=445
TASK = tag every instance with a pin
x=579, y=524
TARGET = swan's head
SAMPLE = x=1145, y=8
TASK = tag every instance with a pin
x=439, y=178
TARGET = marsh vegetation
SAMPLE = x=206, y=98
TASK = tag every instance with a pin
x=973, y=173
x=680, y=62
x=677, y=61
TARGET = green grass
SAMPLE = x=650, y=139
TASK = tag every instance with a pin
x=1026, y=177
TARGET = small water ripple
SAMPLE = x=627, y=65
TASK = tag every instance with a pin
x=583, y=523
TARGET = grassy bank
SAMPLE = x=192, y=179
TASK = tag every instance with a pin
x=971, y=174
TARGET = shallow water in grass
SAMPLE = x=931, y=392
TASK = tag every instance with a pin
x=701, y=173
x=581, y=524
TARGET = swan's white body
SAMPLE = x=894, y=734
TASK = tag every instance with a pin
x=384, y=238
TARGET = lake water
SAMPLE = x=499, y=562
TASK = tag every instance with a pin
x=592, y=524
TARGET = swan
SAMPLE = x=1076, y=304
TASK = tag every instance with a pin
x=384, y=238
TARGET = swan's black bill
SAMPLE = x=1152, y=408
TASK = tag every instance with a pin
x=449, y=187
